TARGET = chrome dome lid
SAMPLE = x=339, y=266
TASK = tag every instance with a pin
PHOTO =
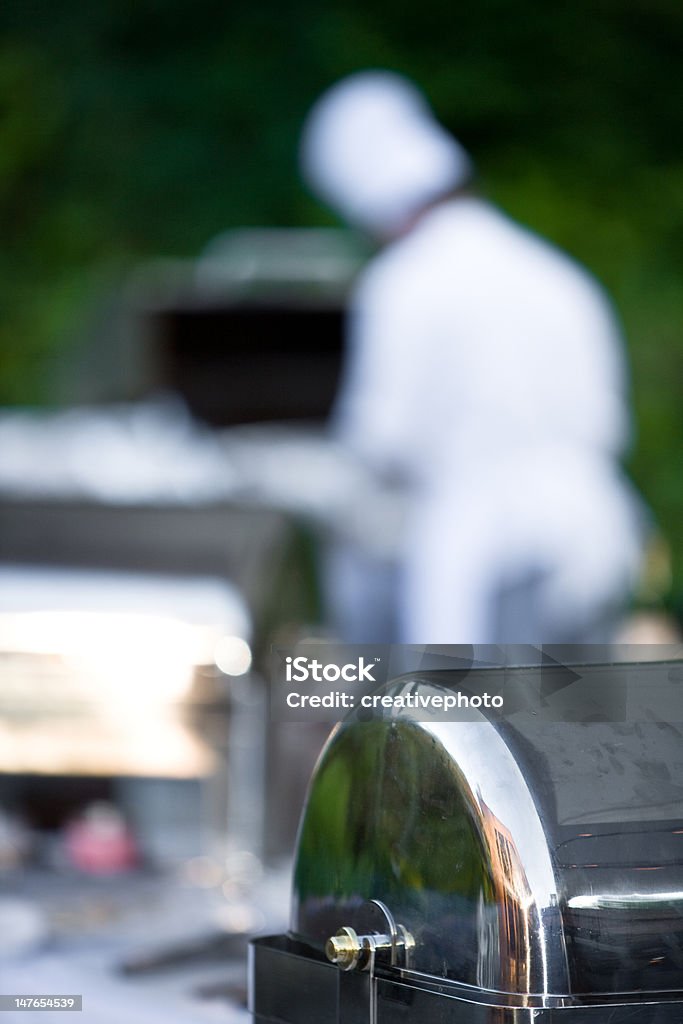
x=522, y=855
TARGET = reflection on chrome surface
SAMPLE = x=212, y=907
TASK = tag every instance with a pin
x=470, y=832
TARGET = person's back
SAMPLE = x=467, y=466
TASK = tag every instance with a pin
x=498, y=337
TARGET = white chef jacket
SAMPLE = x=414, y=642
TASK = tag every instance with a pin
x=485, y=370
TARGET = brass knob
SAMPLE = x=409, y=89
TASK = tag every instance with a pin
x=344, y=949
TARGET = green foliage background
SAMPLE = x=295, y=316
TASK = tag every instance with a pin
x=131, y=128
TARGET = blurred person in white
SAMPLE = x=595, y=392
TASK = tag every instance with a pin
x=484, y=371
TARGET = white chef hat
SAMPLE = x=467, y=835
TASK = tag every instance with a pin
x=373, y=150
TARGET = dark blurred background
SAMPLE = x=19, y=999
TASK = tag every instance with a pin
x=132, y=130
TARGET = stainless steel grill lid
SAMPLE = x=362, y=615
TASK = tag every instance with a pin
x=522, y=863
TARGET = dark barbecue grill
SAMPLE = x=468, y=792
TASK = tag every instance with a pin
x=519, y=869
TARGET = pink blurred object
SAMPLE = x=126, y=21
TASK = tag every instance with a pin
x=100, y=842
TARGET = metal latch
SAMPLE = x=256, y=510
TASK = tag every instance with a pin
x=349, y=950
x=373, y=938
